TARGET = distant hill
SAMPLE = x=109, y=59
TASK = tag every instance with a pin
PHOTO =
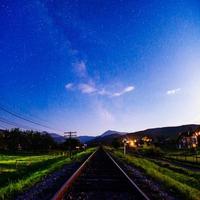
x=166, y=133
x=158, y=134
x=111, y=132
x=57, y=138
x=106, y=137
x=85, y=139
x=161, y=134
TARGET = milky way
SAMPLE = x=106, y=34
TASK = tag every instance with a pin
x=95, y=65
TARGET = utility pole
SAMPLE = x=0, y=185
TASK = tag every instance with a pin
x=125, y=141
x=70, y=135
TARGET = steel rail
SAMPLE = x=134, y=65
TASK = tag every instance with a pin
x=130, y=180
x=68, y=184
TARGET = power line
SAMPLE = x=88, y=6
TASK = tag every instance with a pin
x=8, y=123
x=14, y=124
x=30, y=121
x=3, y=126
x=70, y=135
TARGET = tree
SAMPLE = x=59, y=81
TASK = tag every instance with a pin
x=71, y=143
x=116, y=143
x=17, y=139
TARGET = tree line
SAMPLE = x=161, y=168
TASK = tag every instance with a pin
x=29, y=140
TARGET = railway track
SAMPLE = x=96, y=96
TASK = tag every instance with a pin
x=99, y=178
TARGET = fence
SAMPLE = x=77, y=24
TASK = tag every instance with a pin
x=193, y=158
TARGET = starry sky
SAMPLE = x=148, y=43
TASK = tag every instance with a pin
x=93, y=65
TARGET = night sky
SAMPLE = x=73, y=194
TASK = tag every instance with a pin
x=94, y=65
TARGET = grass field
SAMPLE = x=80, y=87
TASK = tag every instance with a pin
x=189, y=158
x=183, y=155
x=17, y=172
x=182, y=181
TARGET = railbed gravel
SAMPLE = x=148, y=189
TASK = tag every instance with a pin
x=45, y=189
x=153, y=189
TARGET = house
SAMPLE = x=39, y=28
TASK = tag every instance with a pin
x=188, y=140
x=147, y=140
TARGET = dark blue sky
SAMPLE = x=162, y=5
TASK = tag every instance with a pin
x=96, y=65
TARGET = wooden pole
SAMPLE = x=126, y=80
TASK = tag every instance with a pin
x=70, y=135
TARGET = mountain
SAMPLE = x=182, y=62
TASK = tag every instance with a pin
x=85, y=139
x=104, y=140
x=58, y=138
x=106, y=137
x=111, y=132
x=165, y=133
x=158, y=134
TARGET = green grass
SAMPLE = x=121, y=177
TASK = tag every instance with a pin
x=188, y=158
x=186, y=184
x=29, y=170
x=178, y=169
x=186, y=163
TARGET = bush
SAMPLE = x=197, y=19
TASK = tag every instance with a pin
x=152, y=151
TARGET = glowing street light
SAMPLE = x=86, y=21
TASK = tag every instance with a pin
x=125, y=142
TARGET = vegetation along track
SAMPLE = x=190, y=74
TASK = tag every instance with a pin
x=100, y=177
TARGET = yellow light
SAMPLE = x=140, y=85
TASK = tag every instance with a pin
x=131, y=143
x=194, y=145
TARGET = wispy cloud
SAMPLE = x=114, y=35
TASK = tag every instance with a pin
x=87, y=88
x=69, y=86
x=80, y=68
x=124, y=91
x=173, y=91
x=84, y=88
x=104, y=92
x=104, y=115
